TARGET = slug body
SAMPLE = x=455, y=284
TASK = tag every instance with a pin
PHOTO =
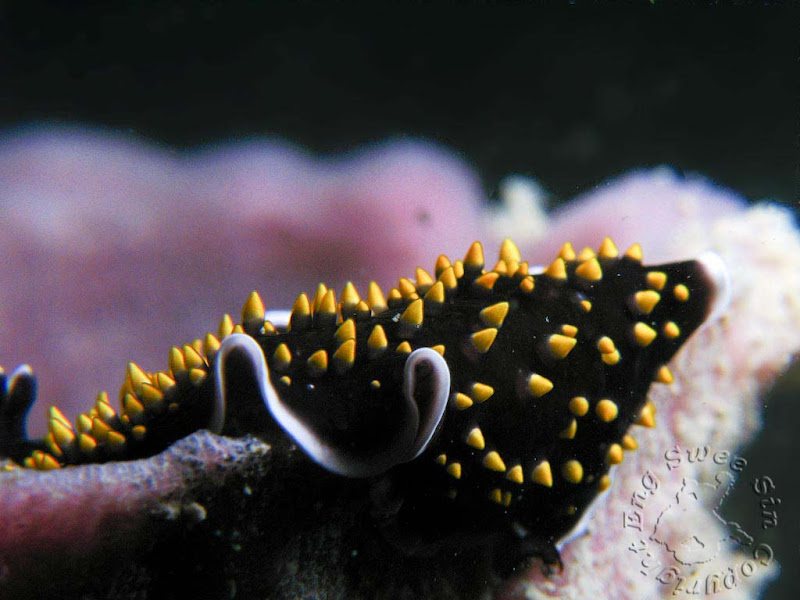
x=495, y=401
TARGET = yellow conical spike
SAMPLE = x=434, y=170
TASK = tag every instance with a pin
x=346, y=331
x=634, y=253
x=475, y=439
x=210, y=345
x=345, y=356
x=449, y=279
x=557, y=269
x=436, y=293
x=608, y=249
x=253, y=310
x=349, y=297
x=322, y=289
x=494, y=462
x=376, y=299
x=509, y=251
x=495, y=314
x=377, y=341
x=192, y=358
x=567, y=252
x=413, y=314
x=589, y=270
x=474, y=257
x=225, y=326
x=318, y=363
x=442, y=264
x=542, y=474
x=515, y=474
x=482, y=340
x=423, y=280
x=327, y=305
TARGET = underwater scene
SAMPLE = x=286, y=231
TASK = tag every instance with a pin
x=262, y=361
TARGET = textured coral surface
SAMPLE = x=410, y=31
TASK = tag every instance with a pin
x=115, y=252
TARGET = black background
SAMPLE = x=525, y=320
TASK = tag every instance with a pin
x=571, y=95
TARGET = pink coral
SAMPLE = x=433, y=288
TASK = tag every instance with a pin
x=217, y=224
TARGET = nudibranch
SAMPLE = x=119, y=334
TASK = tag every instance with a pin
x=486, y=403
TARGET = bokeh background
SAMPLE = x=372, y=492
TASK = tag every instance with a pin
x=569, y=95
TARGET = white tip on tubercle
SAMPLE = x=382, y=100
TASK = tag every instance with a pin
x=718, y=274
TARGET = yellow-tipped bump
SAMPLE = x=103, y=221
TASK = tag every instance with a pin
x=132, y=407
x=349, y=297
x=423, y=279
x=494, y=315
x=608, y=249
x=406, y=287
x=449, y=279
x=589, y=270
x=646, y=301
x=569, y=330
x=486, y=281
x=542, y=474
x=442, y=264
x=515, y=474
x=567, y=252
x=643, y=334
x=377, y=341
x=664, y=375
x=538, y=386
x=606, y=410
x=210, y=345
x=615, y=454
x=317, y=363
x=579, y=406
x=509, y=251
x=527, y=284
x=561, y=345
x=454, y=470
x=481, y=392
x=494, y=462
x=435, y=295
x=413, y=314
x=475, y=439
x=326, y=308
x=656, y=280
x=282, y=357
x=557, y=269
x=55, y=414
x=346, y=331
x=301, y=313
x=375, y=298
x=634, y=253
x=681, y=293
x=628, y=442
x=403, y=348
x=568, y=433
x=671, y=330
x=606, y=345
x=192, y=358
x=86, y=443
x=462, y=401
x=482, y=340
x=225, y=326
x=253, y=309
x=647, y=416
x=572, y=471
x=345, y=356
x=137, y=376
x=473, y=259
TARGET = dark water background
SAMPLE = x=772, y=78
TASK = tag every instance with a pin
x=568, y=95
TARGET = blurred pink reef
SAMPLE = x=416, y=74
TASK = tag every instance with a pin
x=114, y=251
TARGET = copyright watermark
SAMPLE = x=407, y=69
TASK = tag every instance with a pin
x=659, y=508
